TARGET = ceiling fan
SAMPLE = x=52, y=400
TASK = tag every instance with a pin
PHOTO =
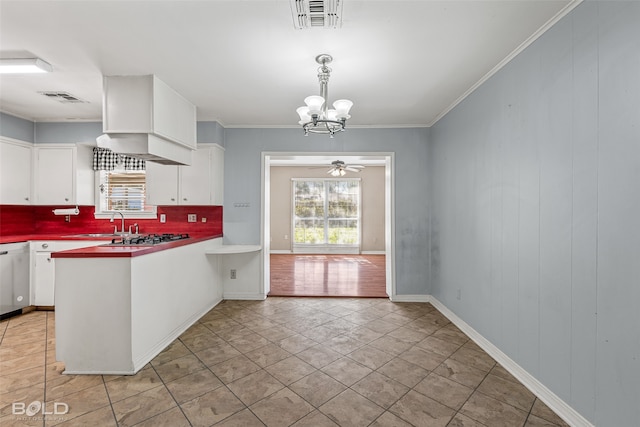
x=340, y=168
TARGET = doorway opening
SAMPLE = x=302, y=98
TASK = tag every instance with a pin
x=328, y=234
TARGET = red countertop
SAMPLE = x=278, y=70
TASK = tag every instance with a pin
x=128, y=251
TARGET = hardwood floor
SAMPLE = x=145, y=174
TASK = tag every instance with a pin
x=328, y=275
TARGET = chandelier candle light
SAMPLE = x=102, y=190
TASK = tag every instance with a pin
x=316, y=117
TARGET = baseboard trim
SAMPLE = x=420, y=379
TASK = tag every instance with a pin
x=411, y=298
x=244, y=296
x=373, y=253
x=280, y=251
x=559, y=406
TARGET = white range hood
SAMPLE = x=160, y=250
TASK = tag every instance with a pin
x=144, y=118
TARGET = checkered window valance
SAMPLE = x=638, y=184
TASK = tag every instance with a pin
x=105, y=159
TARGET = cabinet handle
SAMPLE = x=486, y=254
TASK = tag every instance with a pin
x=48, y=259
x=173, y=200
x=66, y=199
x=185, y=199
x=26, y=198
x=45, y=245
x=4, y=252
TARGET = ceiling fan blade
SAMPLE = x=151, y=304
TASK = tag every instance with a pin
x=356, y=166
x=350, y=169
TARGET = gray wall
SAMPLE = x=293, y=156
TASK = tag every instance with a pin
x=72, y=133
x=242, y=177
x=16, y=128
x=534, y=207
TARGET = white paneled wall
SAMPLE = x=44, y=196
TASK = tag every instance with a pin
x=535, y=197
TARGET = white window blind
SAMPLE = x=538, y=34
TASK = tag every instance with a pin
x=122, y=191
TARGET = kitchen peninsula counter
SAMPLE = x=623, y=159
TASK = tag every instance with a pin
x=128, y=251
x=115, y=313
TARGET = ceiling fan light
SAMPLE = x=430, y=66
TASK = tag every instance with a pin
x=335, y=172
x=342, y=172
x=342, y=107
x=314, y=102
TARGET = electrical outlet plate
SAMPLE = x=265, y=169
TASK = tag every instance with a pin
x=233, y=274
x=192, y=217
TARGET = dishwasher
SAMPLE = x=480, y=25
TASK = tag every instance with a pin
x=14, y=278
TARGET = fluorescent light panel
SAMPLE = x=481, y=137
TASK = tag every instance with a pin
x=24, y=66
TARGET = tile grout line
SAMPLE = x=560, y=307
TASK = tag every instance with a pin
x=171, y=394
x=106, y=390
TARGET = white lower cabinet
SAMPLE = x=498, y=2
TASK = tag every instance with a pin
x=43, y=273
x=43, y=279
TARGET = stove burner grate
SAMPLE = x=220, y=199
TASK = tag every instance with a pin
x=149, y=239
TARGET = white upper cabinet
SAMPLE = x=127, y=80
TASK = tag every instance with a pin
x=15, y=172
x=162, y=184
x=195, y=180
x=198, y=184
x=55, y=175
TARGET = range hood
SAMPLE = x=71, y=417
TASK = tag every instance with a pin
x=143, y=117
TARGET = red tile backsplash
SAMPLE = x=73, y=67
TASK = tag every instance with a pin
x=16, y=219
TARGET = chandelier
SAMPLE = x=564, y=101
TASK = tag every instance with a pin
x=316, y=117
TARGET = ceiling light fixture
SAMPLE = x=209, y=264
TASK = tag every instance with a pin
x=316, y=117
x=24, y=66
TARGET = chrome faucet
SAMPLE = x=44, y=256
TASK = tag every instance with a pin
x=115, y=231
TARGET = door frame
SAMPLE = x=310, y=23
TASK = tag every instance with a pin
x=389, y=221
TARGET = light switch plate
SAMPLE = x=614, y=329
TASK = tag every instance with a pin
x=192, y=217
x=163, y=218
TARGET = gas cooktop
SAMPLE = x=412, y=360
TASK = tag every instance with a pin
x=148, y=239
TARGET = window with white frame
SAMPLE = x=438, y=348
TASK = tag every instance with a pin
x=122, y=191
x=120, y=185
x=326, y=212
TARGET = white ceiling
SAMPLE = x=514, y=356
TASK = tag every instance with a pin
x=242, y=63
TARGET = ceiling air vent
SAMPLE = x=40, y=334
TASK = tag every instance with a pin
x=64, y=97
x=316, y=13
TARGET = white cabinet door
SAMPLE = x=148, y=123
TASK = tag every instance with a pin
x=217, y=175
x=44, y=276
x=55, y=175
x=15, y=173
x=187, y=185
x=195, y=180
x=161, y=184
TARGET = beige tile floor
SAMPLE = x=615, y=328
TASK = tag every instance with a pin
x=280, y=362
